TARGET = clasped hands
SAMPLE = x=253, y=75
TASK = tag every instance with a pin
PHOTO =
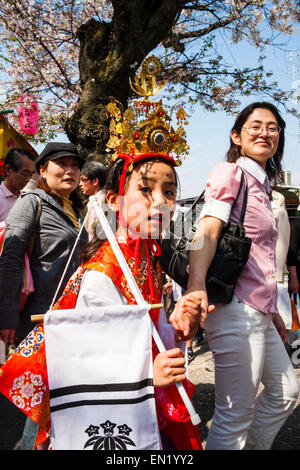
x=189, y=313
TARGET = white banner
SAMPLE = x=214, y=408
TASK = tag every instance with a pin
x=99, y=365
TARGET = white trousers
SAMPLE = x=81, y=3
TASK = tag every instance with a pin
x=247, y=350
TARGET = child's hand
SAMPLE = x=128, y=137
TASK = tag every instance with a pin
x=168, y=368
x=185, y=318
x=188, y=315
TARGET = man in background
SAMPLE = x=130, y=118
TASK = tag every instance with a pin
x=19, y=167
x=92, y=181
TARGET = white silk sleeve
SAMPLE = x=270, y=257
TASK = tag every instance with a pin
x=97, y=290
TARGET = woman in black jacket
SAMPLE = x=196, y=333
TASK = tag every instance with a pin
x=48, y=217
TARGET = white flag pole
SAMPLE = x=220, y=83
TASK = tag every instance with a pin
x=195, y=419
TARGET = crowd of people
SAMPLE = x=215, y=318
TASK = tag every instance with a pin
x=73, y=268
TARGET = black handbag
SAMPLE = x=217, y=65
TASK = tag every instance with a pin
x=231, y=255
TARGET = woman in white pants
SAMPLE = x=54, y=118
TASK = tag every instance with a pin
x=247, y=335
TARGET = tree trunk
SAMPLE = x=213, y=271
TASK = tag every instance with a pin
x=109, y=54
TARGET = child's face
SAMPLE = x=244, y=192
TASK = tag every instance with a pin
x=149, y=200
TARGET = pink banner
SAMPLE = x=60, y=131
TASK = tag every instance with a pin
x=28, y=114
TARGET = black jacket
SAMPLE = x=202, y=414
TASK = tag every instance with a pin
x=53, y=242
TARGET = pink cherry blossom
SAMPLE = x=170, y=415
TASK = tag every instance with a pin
x=40, y=52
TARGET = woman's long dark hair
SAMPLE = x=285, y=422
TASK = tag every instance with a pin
x=112, y=184
x=273, y=167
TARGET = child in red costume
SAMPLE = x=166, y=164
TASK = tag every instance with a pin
x=141, y=189
x=151, y=187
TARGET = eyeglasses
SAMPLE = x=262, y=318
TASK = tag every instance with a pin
x=83, y=179
x=256, y=129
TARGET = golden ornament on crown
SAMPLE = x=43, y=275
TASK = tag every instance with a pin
x=145, y=126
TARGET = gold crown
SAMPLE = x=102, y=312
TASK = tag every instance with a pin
x=145, y=126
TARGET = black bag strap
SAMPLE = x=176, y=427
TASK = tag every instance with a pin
x=198, y=199
x=245, y=199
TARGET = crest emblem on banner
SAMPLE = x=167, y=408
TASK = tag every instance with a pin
x=109, y=441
